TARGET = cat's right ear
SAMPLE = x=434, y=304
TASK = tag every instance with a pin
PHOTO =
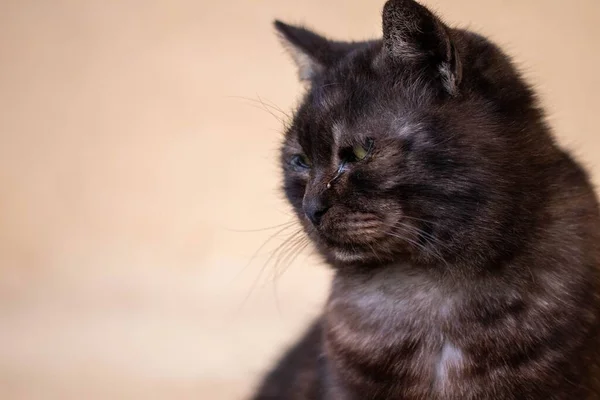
x=312, y=53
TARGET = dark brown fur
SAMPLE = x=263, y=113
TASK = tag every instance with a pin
x=465, y=245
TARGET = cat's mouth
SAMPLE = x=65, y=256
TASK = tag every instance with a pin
x=341, y=227
x=355, y=237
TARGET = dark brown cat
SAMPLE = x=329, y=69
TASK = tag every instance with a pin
x=465, y=243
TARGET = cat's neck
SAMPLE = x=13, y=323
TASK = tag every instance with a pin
x=387, y=288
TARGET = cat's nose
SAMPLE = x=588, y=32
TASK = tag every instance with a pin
x=314, y=208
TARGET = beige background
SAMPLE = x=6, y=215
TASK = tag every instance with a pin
x=135, y=161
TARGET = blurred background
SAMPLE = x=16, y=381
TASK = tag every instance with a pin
x=139, y=180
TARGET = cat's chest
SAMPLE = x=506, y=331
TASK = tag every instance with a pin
x=391, y=332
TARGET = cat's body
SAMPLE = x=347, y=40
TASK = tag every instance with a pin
x=466, y=244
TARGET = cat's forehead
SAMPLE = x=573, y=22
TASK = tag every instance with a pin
x=355, y=101
x=339, y=114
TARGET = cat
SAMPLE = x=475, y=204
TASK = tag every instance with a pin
x=464, y=241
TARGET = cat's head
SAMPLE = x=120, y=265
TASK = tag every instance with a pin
x=421, y=146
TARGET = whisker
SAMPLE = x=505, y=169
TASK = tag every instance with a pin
x=411, y=241
x=270, y=108
x=276, y=254
x=278, y=118
x=289, y=223
x=293, y=254
x=431, y=239
x=328, y=84
x=260, y=101
x=421, y=232
x=420, y=246
x=285, y=256
x=273, y=106
x=262, y=269
x=374, y=252
x=429, y=222
x=266, y=242
x=299, y=251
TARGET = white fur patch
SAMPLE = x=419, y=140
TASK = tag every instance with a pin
x=451, y=357
x=345, y=256
x=337, y=129
x=308, y=67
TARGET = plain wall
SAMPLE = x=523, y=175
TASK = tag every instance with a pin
x=138, y=172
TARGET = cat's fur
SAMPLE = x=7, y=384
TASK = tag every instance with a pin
x=465, y=245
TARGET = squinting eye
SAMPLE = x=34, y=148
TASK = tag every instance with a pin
x=300, y=161
x=360, y=152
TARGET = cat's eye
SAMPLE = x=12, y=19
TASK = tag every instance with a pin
x=300, y=161
x=361, y=151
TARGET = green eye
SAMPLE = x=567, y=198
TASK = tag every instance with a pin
x=361, y=151
x=300, y=161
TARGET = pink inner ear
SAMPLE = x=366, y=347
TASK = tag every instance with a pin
x=308, y=49
x=312, y=52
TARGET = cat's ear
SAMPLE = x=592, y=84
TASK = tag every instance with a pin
x=414, y=35
x=312, y=53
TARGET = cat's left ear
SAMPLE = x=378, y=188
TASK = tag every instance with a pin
x=413, y=35
x=312, y=52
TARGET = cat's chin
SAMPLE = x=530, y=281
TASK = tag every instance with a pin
x=358, y=248
x=341, y=256
x=345, y=256
x=346, y=251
